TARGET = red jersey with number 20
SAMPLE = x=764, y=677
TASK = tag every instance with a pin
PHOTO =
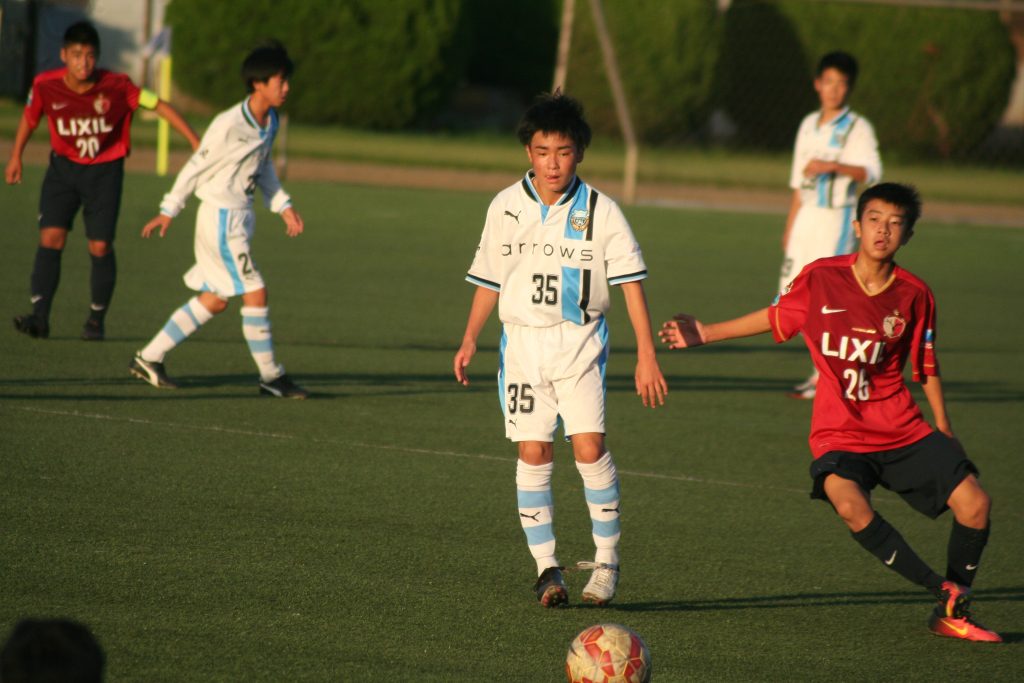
x=88, y=128
x=860, y=343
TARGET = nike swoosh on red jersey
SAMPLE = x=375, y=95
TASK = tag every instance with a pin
x=825, y=310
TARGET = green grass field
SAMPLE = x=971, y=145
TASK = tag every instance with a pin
x=370, y=533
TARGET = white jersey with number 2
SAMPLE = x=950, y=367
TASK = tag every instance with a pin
x=233, y=159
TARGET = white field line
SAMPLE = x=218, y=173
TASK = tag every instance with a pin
x=381, y=447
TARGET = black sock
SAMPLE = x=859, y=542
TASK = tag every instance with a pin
x=104, y=274
x=964, y=552
x=885, y=543
x=45, y=277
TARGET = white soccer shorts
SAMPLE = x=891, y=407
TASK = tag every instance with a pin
x=224, y=263
x=817, y=233
x=549, y=372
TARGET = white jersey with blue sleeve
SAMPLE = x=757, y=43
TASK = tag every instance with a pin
x=233, y=159
x=555, y=263
x=849, y=139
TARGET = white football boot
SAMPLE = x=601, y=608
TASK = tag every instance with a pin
x=603, y=579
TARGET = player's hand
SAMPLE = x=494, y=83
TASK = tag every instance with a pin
x=650, y=383
x=683, y=331
x=462, y=358
x=12, y=174
x=816, y=167
x=292, y=222
x=161, y=221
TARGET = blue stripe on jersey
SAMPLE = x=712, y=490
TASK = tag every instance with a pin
x=631, y=277
x=845, y=230
x=571, y=295
x=841, y=127
x=534, y=499
x=579, y=204
x=479, y=281
x=225, y=251
x=502, y=345
x=536, y=197
x=822, y=184
x=602, y=362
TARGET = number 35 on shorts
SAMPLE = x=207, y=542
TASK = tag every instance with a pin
x=520, y=399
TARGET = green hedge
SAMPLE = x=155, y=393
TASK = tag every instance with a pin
x=932, y=81
x=513, y=44
x=369, y=64
x=666, y=51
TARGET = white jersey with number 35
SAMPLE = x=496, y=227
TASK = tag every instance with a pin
x=233, y=159
x=555, y=263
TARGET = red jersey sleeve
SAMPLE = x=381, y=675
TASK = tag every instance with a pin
x=923, y=361
x=34, y=105
x=788, y=312
x=131, y=91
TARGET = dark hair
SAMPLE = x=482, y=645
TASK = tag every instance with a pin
x=903, y=196
x=48, y=650
x=555, y=113
x=843, y=62
x=82, y=33
x=265, y=62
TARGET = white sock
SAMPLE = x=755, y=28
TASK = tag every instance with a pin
x=536, y=511
x=256, y=329
x=601, y=486
x=182, y=323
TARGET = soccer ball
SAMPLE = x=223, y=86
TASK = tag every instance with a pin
x=608, y=653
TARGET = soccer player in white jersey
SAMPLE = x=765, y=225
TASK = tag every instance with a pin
x=836, y=153
x=550, y=248
x=232, y=161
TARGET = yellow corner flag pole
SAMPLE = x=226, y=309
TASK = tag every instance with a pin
x=163, y=130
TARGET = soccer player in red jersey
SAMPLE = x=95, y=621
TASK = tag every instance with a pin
x=90, y=114
x=863, y=317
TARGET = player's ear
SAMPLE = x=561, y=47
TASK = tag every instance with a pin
x=856, y=228
x=579, y=154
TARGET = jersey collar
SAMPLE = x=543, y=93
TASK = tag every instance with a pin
x=842, y=116
x=531, y=191
x=251, y=120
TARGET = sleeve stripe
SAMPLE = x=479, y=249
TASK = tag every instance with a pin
x=480, y=282
x=632, y=277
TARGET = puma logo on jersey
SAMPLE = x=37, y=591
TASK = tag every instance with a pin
x=535, y=516
x=512, y=422
x=867, y=351
x=513, y=215
x=86, y=126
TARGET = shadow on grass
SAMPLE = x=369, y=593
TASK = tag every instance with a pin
x=803, y=600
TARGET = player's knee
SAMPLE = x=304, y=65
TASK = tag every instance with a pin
x=852, y=512
x=974, y=512
x=535, y=452
x=52, y=238
x=214, y=304
x=99, y=248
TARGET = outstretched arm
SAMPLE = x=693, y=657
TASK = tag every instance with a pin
x=685, y=331
x=932, y=386
x=816, y=167
x=479, y=311
x=165, y=111
x=650, y=383
x=12, y=174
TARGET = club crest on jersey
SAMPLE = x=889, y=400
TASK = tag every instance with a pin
x=578, y=219
x=893, y=325
x=101, y=104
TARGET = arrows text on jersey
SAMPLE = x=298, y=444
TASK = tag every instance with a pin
x=852, y=349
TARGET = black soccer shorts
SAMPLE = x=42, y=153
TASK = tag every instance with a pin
x=96, y=188
x=924, y=473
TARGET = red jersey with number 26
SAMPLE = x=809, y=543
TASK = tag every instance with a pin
x=88, y=128
x=860, y=343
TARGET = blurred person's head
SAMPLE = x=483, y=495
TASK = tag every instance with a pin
x=80, y=50
x=266, y=65
x=834, y=79
x=51, y=651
